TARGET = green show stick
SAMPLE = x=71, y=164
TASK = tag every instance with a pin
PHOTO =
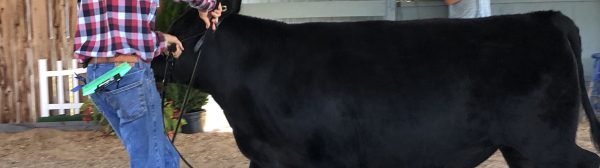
x=112, y=75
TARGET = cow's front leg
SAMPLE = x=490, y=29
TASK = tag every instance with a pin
x=254, y=165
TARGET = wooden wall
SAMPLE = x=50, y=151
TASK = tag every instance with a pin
x=31, y=30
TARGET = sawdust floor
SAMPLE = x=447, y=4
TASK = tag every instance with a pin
x=54, y=148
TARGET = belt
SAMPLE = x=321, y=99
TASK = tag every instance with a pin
x=131, y=59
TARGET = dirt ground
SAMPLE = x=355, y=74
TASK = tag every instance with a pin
x=53, y=148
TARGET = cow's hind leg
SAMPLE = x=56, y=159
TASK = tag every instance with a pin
x=587, y=159
x=471, y=158
x=514, y=158
x=253, y=165
x=571, y=158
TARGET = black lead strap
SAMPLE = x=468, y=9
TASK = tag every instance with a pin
x=170, y=63
x=187, y=92
x=197, y=49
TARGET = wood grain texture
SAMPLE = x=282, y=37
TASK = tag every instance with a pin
x=25, y=37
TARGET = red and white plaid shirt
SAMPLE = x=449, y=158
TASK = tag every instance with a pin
x=106, y=28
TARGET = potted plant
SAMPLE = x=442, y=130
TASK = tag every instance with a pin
x=170, y=118
x=193, y=115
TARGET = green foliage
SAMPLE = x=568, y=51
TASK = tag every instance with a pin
x=170, y=119
x=61, y=118
x=168, y=12
x=176, y=92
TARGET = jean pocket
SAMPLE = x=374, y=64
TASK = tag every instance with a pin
x=129, y=96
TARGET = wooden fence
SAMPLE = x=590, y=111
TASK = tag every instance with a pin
x=31, y=30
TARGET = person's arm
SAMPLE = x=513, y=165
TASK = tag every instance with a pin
x=208, y=10
x=451, y=2
x=201, y=5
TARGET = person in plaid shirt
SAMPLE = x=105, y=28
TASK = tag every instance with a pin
x=110, y=32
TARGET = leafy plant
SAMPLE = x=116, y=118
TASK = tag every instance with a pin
x=168, y=12
x=60, y=118
x=170, y=118
x=176, y=92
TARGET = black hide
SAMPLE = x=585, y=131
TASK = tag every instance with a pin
x=404, y=94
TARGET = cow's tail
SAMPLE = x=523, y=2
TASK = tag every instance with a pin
x=572, y=34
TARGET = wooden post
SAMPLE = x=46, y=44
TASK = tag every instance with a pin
x=67, y=17
x=20, y=79
x=33, y=114
x=2, y=61
x=50, y=15
x=31, y=68
x=28, y=15
x=7, y=68
x=40, y=45
x=14, y=63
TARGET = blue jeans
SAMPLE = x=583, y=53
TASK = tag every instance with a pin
x=595, y=86
x=133, y=108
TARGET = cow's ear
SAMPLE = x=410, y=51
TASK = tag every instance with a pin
x=233, y=6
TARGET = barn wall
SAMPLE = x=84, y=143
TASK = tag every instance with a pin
x=30, y=30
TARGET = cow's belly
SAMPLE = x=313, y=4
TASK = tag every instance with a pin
x=390, y=147
x=379, y=137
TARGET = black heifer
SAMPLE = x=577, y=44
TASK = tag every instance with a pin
x=405, y=94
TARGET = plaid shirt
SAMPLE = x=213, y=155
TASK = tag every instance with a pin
x=109, y=27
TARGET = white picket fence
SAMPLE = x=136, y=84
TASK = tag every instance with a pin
x=58, y=76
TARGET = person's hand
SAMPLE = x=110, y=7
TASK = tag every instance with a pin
x=211, y=18
x=174, y=40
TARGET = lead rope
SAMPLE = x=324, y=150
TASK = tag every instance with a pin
x=170, y=63
x=187, y=92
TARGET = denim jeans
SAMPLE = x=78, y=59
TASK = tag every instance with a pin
x=133, y=108
x=595, y=85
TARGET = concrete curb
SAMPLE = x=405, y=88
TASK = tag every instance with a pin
x=65, y=126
